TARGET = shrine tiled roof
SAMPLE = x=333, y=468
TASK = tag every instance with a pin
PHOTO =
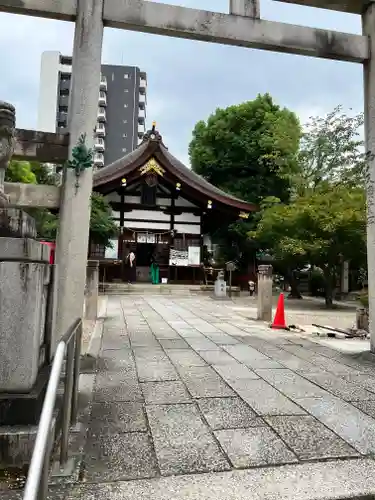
x=152, y=146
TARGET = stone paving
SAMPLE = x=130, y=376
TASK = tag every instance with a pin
x=186, y=386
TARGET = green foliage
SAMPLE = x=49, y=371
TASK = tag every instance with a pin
x=249, y=150
x=43, y=173
x=102, y=227
x=20, y=171
x=322, y=227
x=332, y=151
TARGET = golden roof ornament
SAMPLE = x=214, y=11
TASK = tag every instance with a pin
x=152, y=166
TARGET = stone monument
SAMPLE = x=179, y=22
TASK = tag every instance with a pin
x=220, y=286
x=264, y=311
x=7, y=124
x=25, y=290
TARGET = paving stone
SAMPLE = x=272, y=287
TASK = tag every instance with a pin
x=202, y=344
x=327, y=364
x=174, y=344
x=264, y=398
x=332, y=479
x=138, y=341
x=218, y=357
x=291, y=384
x=367, y=407
x=348, y=422
x=228, y=328
x=165, y=392
x=289, y=360
x=228, y=413
x=251, y=357
x=234, y=371
x=116, y=457
x=254, y=446
x=117, y=418
x=165, y=333
x=182, y=441
x=204, y=382
x=156, y=371
x=184, y=357
x=149, y=355
x=115, y=342
x=187, y=333
x=222, y=339
x=121, y=386
x=363, y=379
x=349, y=391
x=309, y=439
x=115, y=360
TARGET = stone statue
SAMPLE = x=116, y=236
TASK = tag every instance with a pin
x=7, y=124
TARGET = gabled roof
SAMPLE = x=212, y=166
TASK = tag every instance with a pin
x=152, y=146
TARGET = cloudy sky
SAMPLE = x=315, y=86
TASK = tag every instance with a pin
x=188, y=80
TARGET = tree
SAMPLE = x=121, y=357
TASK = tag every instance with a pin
x=102, y=227
x=249, y=150
x=20, y=171
x=332, y=151
x=323, y=227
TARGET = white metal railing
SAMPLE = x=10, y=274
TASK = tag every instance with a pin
x=37, y=479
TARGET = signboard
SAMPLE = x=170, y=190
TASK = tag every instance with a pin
x=194, y=256
x=178, y=258
x=112, y=252
x=146, y=238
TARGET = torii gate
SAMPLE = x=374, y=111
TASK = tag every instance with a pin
x=241, y=27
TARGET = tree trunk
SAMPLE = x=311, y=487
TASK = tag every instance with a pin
x=294, y=291
x=329, y=277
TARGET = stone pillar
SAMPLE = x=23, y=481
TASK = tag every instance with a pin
x=92, y=289
x=368, y=25
x=220, y=289
x=264, y=312
x=7, y=124
x=73, y=236
x=345, y=277
x=245, y=8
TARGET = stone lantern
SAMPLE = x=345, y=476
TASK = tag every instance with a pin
x=7, y=124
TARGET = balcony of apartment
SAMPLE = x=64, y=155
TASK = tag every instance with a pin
x=142, y=84
x=102, y=98
x=98, y=160
x=141, y=131
x=100, y=129
x=102, y=116
x=141, y=117
x=99, y=144
x=63, y=100
x=103, y=83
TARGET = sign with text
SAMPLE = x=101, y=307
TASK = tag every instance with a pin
x=194, y=256
x=178, y=258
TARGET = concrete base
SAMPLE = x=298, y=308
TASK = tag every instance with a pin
x=24, y=409
x=17, y=444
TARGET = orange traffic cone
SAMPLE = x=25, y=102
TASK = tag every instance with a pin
x=279, y=319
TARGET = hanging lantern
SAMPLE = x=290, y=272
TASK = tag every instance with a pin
x=123, y=181
x=209, y=204
x=178, y=186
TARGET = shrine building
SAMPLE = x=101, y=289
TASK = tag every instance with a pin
x=163, y=209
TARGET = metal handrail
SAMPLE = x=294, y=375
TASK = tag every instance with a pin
x=37, y=478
